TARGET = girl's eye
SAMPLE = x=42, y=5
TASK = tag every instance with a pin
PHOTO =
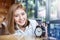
x=16, y=15
x=22, y=13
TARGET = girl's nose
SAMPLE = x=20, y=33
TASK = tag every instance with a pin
x=20, y=17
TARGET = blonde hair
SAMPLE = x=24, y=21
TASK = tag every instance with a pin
x=10, y=19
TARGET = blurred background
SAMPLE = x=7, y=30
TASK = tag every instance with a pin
x=41, y=10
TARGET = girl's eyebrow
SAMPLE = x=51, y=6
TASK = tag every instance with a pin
x=16, y=14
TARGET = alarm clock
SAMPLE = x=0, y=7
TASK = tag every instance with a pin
x=39, y=31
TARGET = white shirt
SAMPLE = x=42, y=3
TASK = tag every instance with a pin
x=29, y=31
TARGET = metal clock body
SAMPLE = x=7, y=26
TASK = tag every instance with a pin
x=39, y=31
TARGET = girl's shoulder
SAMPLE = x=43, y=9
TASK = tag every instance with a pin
x=33, y=21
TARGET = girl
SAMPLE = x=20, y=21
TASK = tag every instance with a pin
x=18, y=24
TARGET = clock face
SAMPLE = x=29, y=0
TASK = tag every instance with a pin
x=38, y=31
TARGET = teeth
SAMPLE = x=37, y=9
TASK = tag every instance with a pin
x=21, y=21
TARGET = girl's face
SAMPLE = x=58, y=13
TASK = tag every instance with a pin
x=20, y=17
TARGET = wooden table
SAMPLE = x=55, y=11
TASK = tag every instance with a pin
x=13, y=37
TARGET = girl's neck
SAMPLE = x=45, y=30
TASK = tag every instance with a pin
x=22, y=28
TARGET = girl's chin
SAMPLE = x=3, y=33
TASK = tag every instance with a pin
x=21, y=24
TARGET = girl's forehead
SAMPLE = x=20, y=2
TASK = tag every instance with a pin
x=19, y=11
